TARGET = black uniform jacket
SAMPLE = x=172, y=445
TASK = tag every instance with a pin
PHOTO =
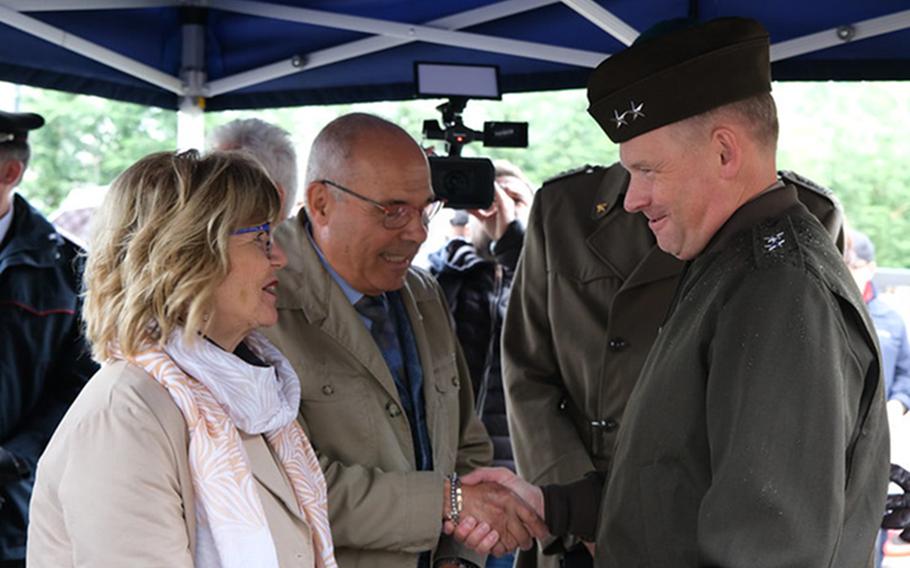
x=756, y=436
x=44, y=361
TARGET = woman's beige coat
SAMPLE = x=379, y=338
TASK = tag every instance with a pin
x=113, y=488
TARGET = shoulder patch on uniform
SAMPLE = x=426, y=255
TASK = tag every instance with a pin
x=585, y=169
x=775, y=242
x=804, y=182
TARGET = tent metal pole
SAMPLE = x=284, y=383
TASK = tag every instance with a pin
x=416, y=32
x=360, y=47
x=70, y=6
x=604, y=19
x=88, y=49
x=837, y=36
x=190, y=115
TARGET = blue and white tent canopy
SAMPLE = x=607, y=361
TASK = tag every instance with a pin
x=239, y=54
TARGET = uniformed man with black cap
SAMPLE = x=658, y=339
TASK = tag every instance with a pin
x=43, y=359
x=756, y=435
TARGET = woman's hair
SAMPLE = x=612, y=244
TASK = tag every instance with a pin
x=159, y=245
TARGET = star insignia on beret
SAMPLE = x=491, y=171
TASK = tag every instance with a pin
x=619, y=119
x=634, y=110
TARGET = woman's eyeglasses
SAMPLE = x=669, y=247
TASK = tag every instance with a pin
x=263, y=237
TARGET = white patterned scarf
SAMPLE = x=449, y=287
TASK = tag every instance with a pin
x=218, y=393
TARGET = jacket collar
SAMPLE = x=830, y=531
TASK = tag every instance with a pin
x=770, y=203
x=28, y=238
x=635, y=261
x=306, y=285
x=264, y=467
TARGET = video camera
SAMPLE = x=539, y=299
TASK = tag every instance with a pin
x=465, y=183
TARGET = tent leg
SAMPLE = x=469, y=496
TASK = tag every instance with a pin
x=191, y=124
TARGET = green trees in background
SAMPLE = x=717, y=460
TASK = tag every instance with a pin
x=87, y=140
x=850, y=137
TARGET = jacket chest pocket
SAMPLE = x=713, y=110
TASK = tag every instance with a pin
x=336, y=410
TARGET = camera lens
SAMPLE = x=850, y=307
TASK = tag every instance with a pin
x=456, y=182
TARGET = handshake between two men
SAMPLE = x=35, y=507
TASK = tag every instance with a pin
x=496, y=512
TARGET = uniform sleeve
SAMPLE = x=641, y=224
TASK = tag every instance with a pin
x=787, y=368
x=119, y=492
x=900, y=388
x=546, y=445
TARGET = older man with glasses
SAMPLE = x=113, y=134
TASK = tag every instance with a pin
x=386, y=393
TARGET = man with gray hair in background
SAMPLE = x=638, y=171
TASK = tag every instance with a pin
x=271, y=146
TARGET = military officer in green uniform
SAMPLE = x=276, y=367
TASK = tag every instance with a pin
x=755, y=435
x=592, y=280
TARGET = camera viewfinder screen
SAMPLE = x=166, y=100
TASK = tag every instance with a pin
x=448, y=80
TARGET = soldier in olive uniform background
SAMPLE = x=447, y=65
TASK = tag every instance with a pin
x=756, y=433
x=590, y=291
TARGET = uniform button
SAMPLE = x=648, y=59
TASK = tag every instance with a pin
x=610, y=425
x=328, y=390
x=617, y=344
x=393, y=409
x=563, y=403
x=455, y=381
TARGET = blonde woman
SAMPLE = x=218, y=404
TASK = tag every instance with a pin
x=184, y=450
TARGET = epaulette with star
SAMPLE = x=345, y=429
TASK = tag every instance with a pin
x=806, y=183
x=585, y=169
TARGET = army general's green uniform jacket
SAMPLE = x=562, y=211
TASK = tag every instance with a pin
x=756, y=436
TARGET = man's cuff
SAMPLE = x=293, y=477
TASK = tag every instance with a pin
x=449, y=549
x=573, y=508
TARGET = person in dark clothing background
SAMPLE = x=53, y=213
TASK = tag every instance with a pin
x=895, y=350
x=476, y=276
x=44, y=361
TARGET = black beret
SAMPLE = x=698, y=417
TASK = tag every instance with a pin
x=14, y=126
x=671, y=76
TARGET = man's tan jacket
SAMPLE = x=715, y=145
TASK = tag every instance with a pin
x=383, y=512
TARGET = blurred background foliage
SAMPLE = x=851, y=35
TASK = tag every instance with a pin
x=851, y=137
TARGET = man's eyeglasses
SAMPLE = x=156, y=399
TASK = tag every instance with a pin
x=394, y=215
x=263, y=237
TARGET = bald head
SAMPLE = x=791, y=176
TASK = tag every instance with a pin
x=361, y=168
x=352, y=142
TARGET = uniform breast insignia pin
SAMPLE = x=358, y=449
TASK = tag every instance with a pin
x=600, y=209
x=774, y=242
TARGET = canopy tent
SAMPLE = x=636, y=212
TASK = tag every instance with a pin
x=236, y=54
